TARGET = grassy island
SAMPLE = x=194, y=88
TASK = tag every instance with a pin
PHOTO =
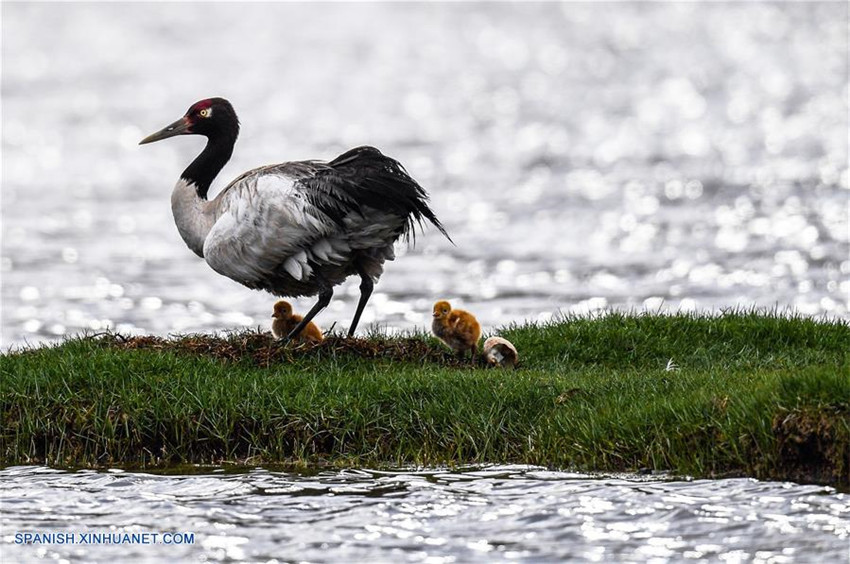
x=751, y=394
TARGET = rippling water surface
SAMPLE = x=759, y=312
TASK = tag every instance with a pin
x=484, y=515
x=631, y=155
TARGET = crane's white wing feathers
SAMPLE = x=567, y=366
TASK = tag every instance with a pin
x=266, y=224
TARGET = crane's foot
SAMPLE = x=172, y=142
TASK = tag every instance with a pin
x=281, y=343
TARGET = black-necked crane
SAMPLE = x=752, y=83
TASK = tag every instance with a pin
x=296, y=228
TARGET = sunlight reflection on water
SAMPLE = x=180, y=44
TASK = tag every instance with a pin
x=478, y=515
x=682, y=156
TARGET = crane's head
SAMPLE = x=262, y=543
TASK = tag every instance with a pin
x=282, y=310
x=213, y=118
x=442, y=309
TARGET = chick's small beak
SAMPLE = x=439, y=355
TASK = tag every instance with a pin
x=179, y=127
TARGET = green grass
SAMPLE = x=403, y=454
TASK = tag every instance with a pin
x=755, y=394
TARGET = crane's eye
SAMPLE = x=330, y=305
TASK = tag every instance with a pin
x=206, y=112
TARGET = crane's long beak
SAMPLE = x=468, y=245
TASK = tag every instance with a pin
x=179, y=127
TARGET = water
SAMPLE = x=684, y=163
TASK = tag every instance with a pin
x=486, y=515
x=652, y=156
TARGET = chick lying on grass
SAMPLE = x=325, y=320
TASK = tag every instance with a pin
x=500, y=352
x=285, y=321
x=456, y=328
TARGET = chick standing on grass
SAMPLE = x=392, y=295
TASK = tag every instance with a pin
x=500, y=352
x=456, y=328
x=285, y=321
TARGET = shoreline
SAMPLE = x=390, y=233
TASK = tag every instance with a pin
x=735, y=394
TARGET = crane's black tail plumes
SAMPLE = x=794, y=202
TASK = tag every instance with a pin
x=365, y=177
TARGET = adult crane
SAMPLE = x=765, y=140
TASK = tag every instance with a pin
x=295, y=228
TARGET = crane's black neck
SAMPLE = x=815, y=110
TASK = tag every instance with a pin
x=206, y=166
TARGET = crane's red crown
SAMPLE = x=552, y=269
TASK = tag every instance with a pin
x=202, y=105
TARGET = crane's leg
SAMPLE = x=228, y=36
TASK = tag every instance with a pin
x=366, y=286
x=324, y=299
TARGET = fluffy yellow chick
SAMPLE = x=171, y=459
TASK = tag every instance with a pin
x=285, y=321
x=500, y=352
x=456, y=328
